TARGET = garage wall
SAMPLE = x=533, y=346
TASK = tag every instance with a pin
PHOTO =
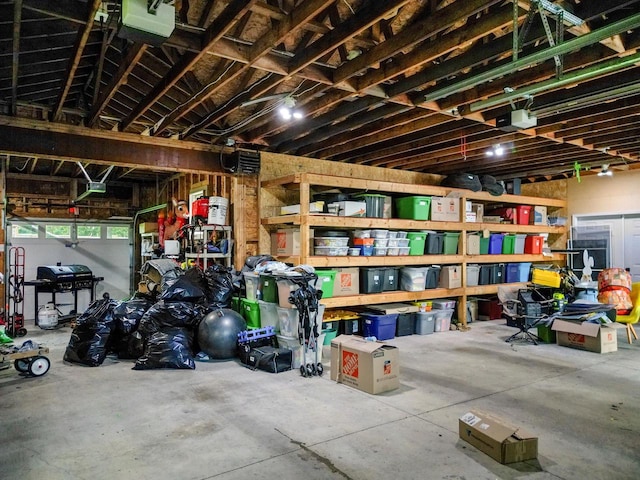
x=108, y=258
x=616, y=194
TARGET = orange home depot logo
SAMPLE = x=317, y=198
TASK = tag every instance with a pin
x=345, y=280
x=576, y=337
x=610, y=337
x=282, y=239
x=350, y=363
x=387, y=367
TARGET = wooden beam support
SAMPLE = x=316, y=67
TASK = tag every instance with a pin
x=15, y=62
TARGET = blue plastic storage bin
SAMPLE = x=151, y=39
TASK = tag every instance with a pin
x=517, y=272
x=381, y=326
x=495, y=243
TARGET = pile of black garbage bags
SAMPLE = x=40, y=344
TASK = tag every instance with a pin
x=157, y=329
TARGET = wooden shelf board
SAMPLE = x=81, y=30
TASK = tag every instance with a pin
x=489, y=289
x=389, y=261
x=513, y=228
x=389, y=297
x=513, y=258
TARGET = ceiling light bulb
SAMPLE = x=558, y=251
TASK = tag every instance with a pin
x=285, y=113
x=498, y=150
x=297, y=114
x=489, y=153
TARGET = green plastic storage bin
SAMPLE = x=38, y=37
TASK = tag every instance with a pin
x=235, y=304
x=268, y=288
x=509, y=244
x=250, y=312
x=325, y=282
x=416, y=242
x=413, y=208
x=546, y=334
x=484, y=245
x=451, y=243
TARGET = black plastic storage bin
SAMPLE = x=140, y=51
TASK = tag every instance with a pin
x=350, y=327
x=434, y=244
x=498, y=273
x=486, y=274
x=432, y=277
x=371, y=279
x=391, y=279
x=405, y=325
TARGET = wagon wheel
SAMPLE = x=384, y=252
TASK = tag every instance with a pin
x=21, y=332
x=39, y=366
x=21, y=365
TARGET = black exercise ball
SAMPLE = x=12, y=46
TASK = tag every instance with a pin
x=218, y=333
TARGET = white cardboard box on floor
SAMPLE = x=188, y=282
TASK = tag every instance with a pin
x=587, y=336
x=373, y=367
x=497, y=438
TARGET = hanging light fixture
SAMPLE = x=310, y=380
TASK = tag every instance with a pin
x=605, y=171
x=287, y=110
x=496, y=150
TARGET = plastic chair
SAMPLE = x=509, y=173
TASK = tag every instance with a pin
x=634, y=316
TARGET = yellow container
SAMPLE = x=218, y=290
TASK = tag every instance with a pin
x=547, y=278
x=423, y=306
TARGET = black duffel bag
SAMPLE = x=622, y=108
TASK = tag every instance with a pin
x=270, y=359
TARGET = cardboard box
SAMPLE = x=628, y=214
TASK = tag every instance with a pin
x=592, y=337
x=373, y=367
x=148, y=227
x=451, y=276
x=445, y=209
x=350, y=209
x=286, y=241
x=539, y=215
x=314, y=207
x=347, y=282
x=478, y=209
x=497, y=438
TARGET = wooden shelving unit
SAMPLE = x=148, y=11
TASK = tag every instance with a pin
x=303, y=182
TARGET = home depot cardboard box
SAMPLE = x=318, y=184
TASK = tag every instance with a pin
x=445, y=209
x=285, y=241
x=592, y=337
x=373, y=367
x=502, y=441
x=347, y=282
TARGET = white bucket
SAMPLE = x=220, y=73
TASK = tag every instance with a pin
x=172, y=247
x=218, y=211
x=48, y=316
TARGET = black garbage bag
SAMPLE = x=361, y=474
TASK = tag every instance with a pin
x=491, y=185
x=89, y=342
x=168, y=348
x=126, y=346
x=184, y=289
x=468, y=181
x=170, y=314
x=219, y=286
x=127, y=314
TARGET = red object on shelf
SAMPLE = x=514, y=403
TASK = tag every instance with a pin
x=533, y=244
x=523, y=213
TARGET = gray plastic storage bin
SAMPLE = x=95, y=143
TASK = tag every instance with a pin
x=425, y=322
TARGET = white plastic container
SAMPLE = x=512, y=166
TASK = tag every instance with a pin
x=218, y=210
x=251, y=281
x=288, y=319
x=381, y=242
x=268, y=315
x=293, y=344
x=380, y=233
x=443, y=319
x=413, y=279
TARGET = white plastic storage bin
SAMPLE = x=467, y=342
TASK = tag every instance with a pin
x=285, y=287
x=293, y=344
x=443, y=304
x=473, y=275
x=268, y=314
x=251, y=280
x=443, y=320
x=425, y=322
x=288, y=319
x=413, y=279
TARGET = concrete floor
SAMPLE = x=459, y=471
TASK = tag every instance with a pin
x=224, y=421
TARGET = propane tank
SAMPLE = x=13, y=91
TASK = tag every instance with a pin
x=48, y=316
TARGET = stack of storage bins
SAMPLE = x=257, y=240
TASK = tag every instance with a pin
x=443, y=309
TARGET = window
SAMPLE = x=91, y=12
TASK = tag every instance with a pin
x=24, y=231
x=88, y=231
x=119, y=232
x=58, y=231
